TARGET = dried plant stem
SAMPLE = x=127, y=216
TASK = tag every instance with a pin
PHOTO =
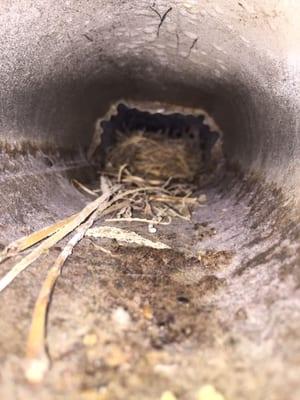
x=52, y=240
x=66, y=227
x=104, y=250
x=28, y=241
x=84, y=188
x=38, y=362
x=147, y=221
x=174, y=199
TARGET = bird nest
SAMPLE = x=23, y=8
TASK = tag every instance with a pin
x=155, y=157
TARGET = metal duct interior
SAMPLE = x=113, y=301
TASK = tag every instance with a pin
x=63, y=63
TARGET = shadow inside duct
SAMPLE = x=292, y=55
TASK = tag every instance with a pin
x=219, y=307
x=127, y=120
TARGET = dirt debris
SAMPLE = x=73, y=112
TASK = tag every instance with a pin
x=148, y=306
x=215, y=260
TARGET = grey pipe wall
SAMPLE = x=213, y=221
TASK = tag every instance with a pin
x=63, y=62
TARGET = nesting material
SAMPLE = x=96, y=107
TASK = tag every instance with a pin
x=124, y=236
x=150, y=181
x=112, y=199
x=155, y=157
x=58, y=232
x=163, y=169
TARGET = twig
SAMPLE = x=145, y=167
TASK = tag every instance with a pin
x=37, y=357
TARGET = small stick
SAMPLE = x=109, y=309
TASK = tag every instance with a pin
x=37, y=359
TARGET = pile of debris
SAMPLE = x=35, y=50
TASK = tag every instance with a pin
x=155, y=157
x=163, y=169
x=146, y=179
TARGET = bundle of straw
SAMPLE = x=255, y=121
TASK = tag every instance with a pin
x=155, y=157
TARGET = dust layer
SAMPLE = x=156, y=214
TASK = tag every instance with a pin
x=163, y=294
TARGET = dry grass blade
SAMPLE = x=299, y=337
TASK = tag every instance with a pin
x=144, y=160
x=149, y=189
x=28, y=241
x=174, y=199
x=155, y=157
x=104, y=184
x=144, y=220
x=52, y=240
x=85, y=189
x=115, y=207
x=37, y=360
x=121, y=235
x=104, y=250
x=121, y=169
x=175, y=213
x=140, y=181
x=68, y=227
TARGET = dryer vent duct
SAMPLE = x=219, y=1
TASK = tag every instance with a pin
x=220, y=311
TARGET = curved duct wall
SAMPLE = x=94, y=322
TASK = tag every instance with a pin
x=62, y=65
